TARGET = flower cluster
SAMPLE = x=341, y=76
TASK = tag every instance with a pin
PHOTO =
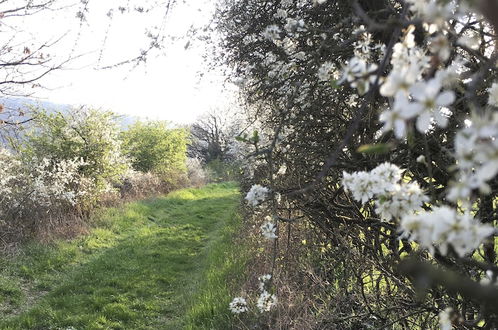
x=413, y=97
x=256, y=195
x=476, y=152
x=493, y=95
x=359, y=74
x=238, y=305
x=266, y=301
x=268, y=229
x=263, y=281
x=444, y=227
x=445, y=319
x=61, y=181
x=393, y=199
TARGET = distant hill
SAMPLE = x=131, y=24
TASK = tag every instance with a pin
x=16, y=110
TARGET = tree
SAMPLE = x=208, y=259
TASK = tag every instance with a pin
x=155, y=147
x=212, y=136
x=86, y=134
x=28, y=55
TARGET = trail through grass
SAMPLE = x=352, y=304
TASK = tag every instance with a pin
x=164, y=263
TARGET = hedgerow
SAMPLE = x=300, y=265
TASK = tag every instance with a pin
x=375, y=138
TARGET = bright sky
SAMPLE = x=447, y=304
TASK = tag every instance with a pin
x=168, y=87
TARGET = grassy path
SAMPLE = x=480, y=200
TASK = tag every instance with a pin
x=156, y=264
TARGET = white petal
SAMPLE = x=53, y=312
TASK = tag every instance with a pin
x=399, y=128
x=441, y=119
x=411, y=110
x=424, y=121
x=488, y=171
x=418, y=91
x=445, y=98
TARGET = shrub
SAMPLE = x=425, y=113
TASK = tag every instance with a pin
x=89, y=135
x=197, y=175
x=136, y=184
x=155, y=148
x=39, y=192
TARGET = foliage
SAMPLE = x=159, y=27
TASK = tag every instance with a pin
x=86, y=134
x=221, y=171
x=417, y=90
x=137, y=268
x=155, y=148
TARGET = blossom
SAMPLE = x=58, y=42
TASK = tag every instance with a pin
x=256, y=195
x=444, y=227
x=493, y=95
x=292, y=25
x=266, y=301
x=440, y=46
x=268, y=229
x=360, y=184
x=476, y=152
x=397, y=117
x=400, y=80
x=490, y=278
x=324, y=71
x=263, y=280
x=271, y=32
x=404, y=199
x=281, y=13
x=429, y=102
x=359, y=74
x=238, y=305
x=392, y=199
x=445, y=319
x=432, y=12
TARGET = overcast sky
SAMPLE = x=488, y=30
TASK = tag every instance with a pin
x=168, y=87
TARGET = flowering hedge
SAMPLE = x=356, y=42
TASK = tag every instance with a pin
x=376, y=126
x=67, y=163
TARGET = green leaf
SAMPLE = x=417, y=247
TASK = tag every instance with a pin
x=379, y=148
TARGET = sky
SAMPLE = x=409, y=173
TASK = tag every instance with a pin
x=167, y=87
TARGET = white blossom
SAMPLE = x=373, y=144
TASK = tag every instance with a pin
x=396, y=118
x=324, y=72
x=266, y=301
x=238, y=305
x=429, y=101
x=445, y=319
x=272, y=32
x=493, y=95
x=440, y=46
x=476, y=152
x=268, y=229
x=263, y=280
x=444, y=227
x=294, y=25
x=257, y=194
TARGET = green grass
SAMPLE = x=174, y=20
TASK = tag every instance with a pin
x=164, y=263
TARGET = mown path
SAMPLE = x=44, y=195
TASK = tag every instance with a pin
x=154, y=264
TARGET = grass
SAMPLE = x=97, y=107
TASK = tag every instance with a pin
x=164, y=263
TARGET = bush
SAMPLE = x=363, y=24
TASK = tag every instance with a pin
x=38, y=193
x=197, y=175
x=155, y=148
x=220, y=171
x=136, y=184
x=89, y=135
